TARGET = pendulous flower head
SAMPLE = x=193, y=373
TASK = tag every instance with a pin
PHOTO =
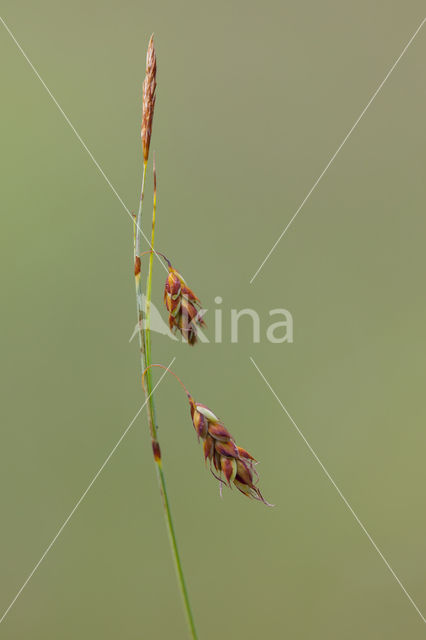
x=185, y=313
x=223, y=454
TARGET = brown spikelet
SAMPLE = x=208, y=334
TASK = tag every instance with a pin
x=148, y=100
x=185, y=313
x=235, y=463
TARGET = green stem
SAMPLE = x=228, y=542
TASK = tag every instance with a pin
x=148, y=296
x=145, y=350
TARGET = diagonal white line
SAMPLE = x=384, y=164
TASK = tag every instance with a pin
x=79, y=138
x=317, y=181
x=339, y=492
x=83, y=495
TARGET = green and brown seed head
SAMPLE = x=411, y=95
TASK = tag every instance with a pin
x=234, y=462
x=185, y=314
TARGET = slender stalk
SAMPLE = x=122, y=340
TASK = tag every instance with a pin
x=149, y=289
x=145, y=350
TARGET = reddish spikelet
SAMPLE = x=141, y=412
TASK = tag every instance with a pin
x=184, y=308
x=148, y=99
x=229, y=468
x=235, y=463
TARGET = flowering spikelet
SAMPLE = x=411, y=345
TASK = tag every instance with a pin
x=235, y=463
x=185, y=314
x=148, y=100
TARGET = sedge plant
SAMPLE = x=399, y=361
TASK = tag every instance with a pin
x=230, y=464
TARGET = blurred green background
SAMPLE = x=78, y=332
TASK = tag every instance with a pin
x=253, y=99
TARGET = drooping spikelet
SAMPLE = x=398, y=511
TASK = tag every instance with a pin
x=185, y=313
x=235, y=463
x=148, y=100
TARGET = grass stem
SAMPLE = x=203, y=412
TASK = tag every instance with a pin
x=144, y=319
